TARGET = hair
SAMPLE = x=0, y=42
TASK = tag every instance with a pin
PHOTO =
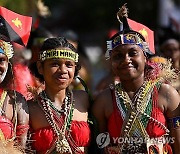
x=52, y=43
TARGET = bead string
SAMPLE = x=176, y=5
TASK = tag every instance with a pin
x=62, y=144
x=2, y=99
x=140, y=97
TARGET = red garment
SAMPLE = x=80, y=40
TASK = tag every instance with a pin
x=7, y=128
x=43, y=138
x=115, y=121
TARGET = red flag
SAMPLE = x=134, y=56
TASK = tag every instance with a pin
x=145, y=31
x=18, y=27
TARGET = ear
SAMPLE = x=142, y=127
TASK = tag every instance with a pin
x=145, y=60
x=39, y=67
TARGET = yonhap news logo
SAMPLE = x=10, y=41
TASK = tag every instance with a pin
x=103, y=140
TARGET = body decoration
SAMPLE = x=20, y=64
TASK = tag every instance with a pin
x=63, y=134
x=175, y=122
x=55, y=53
x=136, y=119
x=125, y=39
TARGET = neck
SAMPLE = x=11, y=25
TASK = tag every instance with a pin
x=132, y=85
x=56, y=97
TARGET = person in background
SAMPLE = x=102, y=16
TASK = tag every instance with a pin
x=170, y=49
x=142, y=110
x=59, y=115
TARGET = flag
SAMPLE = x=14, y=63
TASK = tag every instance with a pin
x=15, y=26
x=147, y=33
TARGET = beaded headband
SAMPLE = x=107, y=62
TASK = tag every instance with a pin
x=130, y=37
x=124, y=39
x=55, y=53
x=126, y=35
x=6, y=48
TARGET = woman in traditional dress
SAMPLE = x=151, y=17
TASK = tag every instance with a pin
x=58, y=115
x=14, y=118
x=140, y=112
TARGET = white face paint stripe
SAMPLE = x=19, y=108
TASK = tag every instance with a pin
x=4, y=74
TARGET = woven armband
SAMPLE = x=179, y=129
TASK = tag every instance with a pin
x=175, y=122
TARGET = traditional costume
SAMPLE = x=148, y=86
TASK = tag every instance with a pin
x=62, y=132
x=63, y=135
x=139, y=125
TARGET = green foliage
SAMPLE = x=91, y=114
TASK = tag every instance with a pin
x=18, y=6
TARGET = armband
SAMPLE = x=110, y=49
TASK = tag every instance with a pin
x=175, y=122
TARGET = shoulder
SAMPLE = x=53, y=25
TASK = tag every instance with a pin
x=104, y=96
x=167, y=89
x=18, y=99
x=16, y=96
x=81, y=96
x=103, y=100
x=168, y=92
x=170, y=98
x=32, y=105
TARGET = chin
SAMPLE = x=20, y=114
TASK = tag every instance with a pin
x=62, y=87
x=127, y=77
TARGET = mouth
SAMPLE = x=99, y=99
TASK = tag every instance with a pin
x=62, y=79
x=127, y=67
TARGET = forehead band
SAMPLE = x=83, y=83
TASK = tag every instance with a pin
x=125, y=39
x=55, y=53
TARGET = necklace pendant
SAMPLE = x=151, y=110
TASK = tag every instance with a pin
x=62, y=146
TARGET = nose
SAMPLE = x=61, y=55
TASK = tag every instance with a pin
x=126, y=59
x=62, y=69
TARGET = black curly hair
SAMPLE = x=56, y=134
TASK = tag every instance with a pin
x=52, y=43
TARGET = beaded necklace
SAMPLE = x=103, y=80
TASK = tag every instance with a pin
x=62, y=144
x=132, y=111
x=2, y=99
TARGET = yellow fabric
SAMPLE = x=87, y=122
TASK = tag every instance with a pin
x=68, y=54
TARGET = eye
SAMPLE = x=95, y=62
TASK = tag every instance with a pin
x=117, y=56
x=133, y=53
x=54, y=64
x=70, y=64
x=2, y=60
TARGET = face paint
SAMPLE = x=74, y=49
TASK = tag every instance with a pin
x=3, y=75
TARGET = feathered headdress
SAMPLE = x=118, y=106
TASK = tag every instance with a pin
x=126, y=35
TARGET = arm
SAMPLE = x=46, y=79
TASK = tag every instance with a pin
x=171, y=100
x=22, y=120
x=99, y=109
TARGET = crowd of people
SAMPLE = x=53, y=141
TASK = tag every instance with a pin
x=47, y=107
